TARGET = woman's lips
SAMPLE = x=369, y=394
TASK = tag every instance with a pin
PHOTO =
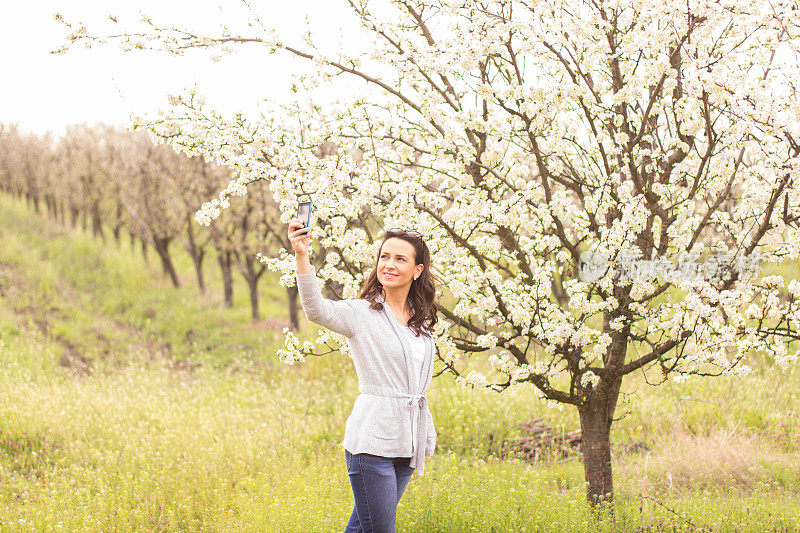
x=389, y=276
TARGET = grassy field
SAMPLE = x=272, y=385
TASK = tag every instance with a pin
x=128, y=405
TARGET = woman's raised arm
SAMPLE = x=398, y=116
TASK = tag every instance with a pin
x=339, y=316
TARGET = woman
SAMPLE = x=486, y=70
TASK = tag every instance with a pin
x=388, y=328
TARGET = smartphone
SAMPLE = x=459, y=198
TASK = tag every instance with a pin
x=304, y=213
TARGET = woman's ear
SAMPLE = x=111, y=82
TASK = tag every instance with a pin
x=418, y=271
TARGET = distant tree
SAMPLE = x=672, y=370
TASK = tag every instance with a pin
x=149, y=197
x=113, y=141
x=248, y=214
x=222, y=242
x=248, y=228
x=8, y=137
x=195, y=181
x=73, y=156
x=26, y=159
x=90, y=162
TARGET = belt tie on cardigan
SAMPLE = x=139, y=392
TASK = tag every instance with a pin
x=415, y=403
x=413, y=400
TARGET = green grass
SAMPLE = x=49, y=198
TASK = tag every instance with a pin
x=128, y=405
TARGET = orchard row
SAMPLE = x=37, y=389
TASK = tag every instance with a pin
x=118, y=184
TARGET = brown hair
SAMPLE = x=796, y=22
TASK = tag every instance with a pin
x=422, y=293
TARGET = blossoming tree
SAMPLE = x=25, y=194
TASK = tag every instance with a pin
x=529, y=140
x=90, y=161
x=25, y=164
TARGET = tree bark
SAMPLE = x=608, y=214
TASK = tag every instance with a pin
x=294, y=316
x=161, y=244
x=597, y=415
x=197, y=259
x=252, y=285
x=144, y=252
x=196, y=252
x=97, y=223
x=252, y=275
x=225, y=261
x=51, y=207
x=118, y=223
x=74, y=213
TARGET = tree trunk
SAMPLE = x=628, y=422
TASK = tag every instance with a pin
x=252, y=284
x=118, y=223
x=196, y=253
x=597, y=415
x=197, y=259
x=247, y=267
x=161, y=244
x=291, y=298
x=74, y=213
x=225, y=261
x=144, y=251
x=97, y=223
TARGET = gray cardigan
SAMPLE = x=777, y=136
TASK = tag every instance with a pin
x=390, y=417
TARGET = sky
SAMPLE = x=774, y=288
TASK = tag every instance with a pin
x=45, y=92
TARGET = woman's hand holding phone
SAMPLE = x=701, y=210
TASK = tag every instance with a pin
x=300, y=237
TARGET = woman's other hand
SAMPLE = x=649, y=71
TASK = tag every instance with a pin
x=299, y=236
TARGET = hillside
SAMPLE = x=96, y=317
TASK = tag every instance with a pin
x=129, y=405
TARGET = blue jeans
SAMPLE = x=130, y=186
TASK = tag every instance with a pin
x=378, y=483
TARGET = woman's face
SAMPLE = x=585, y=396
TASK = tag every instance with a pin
x=396, y=264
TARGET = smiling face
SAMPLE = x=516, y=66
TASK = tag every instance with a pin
x=396, y=264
